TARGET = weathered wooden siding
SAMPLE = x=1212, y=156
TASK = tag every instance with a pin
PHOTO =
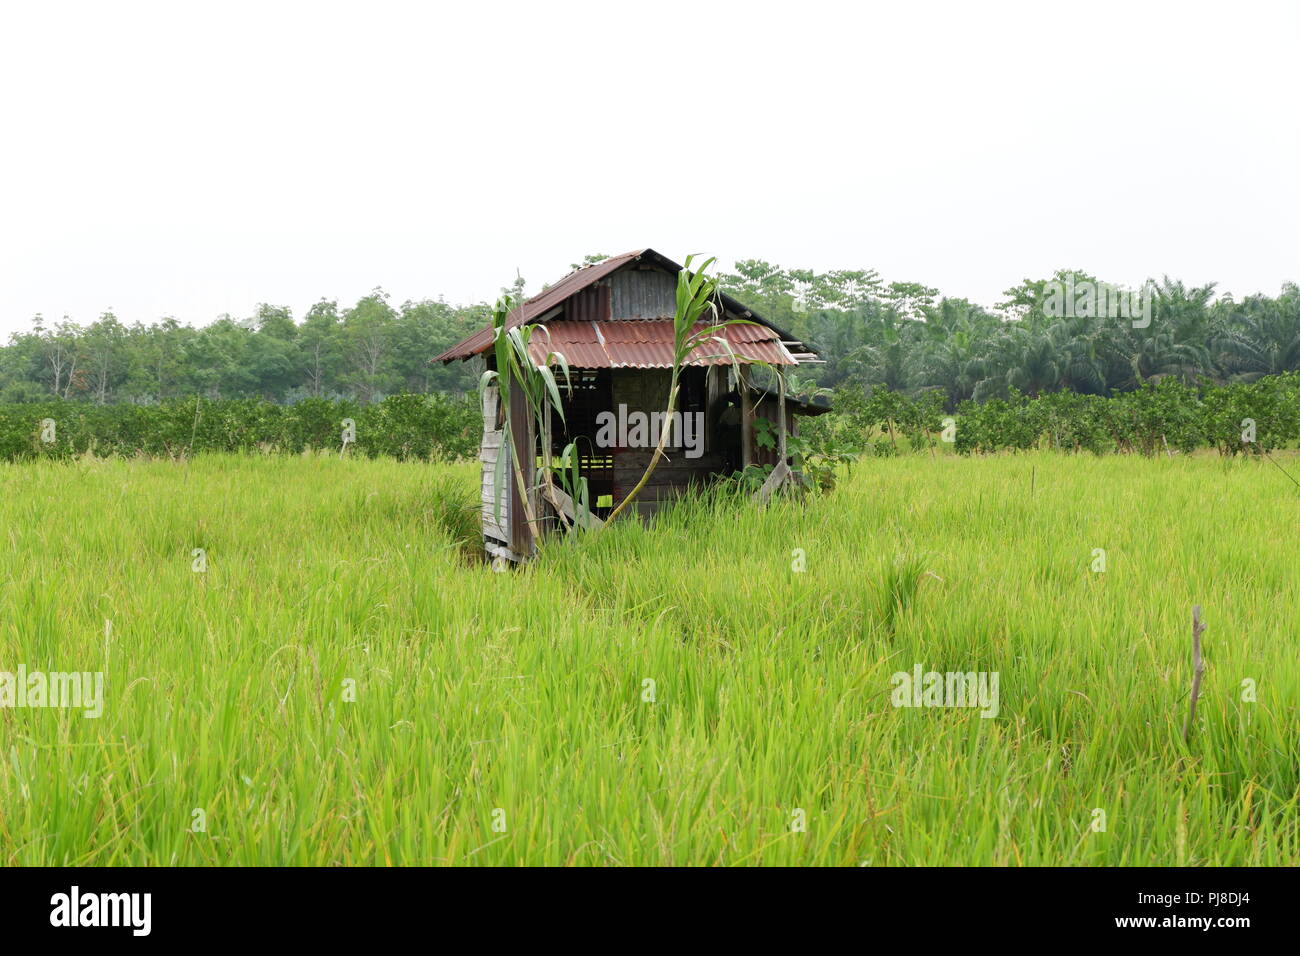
x=496, y=536
x=643, y=294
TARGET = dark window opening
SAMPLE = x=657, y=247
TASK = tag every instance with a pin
x=591, y=394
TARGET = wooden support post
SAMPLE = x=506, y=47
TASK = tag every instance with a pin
x=546, y=476
x=523, y=455
x=746, y=418
x=780, y=414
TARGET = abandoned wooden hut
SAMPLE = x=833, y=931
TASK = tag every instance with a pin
x=613, y=323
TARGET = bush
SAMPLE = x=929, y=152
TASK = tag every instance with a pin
x=1158, y=417
x=424, y=427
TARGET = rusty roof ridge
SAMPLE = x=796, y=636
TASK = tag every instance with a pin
x=537, y=307
x=631, y=256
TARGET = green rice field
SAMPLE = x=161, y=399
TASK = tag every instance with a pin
x=336, y=678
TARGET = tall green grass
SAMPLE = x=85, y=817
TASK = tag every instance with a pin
x=523, y=698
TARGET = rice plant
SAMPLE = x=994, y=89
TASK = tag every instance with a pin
x=334, y=684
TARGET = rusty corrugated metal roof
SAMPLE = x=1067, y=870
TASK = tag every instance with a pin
x=649, y=344
x=540, y=304
x=646, y=352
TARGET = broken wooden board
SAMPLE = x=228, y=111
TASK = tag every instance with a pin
x=781, y=473
x=562, y=501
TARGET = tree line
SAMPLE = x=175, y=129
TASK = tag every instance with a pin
x=1048, y=335
x=903, y=336
x=362, y=353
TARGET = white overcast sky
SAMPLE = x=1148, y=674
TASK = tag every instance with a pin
x=192, y=159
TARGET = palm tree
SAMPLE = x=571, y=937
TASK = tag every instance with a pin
x=1037, y=366
x=885, y=361
x=1262, y=337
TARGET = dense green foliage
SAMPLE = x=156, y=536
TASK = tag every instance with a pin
x=1170, y=416
x=400, y=426
x=1157, y=418
x=340, y=686
x=898, y=356
x=907, y=337
x=362, y=353
x=902, y=335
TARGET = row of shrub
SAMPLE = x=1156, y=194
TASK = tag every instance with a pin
x=425, y=427
x=1160, y=417
x=1168, y=416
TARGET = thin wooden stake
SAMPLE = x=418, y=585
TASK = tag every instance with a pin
x=780, y=440
x=746, y=418
x=1198, y=668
